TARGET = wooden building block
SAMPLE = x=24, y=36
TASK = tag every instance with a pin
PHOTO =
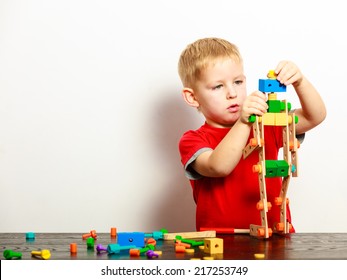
x=213, y=246
x=281, y=119
x=187, y=235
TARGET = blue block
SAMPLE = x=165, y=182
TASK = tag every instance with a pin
x=30, y=235
x=116, y=248
x=155, y=234
x=271, y=85
x=131, y=238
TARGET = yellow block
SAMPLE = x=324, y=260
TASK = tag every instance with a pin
x=213, y=245
x=190, y=251
x=272, y=96
x=259, y=256
x=269, y=119
x=281, y=119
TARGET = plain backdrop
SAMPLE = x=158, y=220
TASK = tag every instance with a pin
x=91, y=111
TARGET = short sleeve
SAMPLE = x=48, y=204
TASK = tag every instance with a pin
x=191, y=146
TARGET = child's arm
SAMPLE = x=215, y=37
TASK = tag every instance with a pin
x=224, y=158
x=312, y=111
x=221, y=161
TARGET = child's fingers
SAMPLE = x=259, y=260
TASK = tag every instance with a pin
x=256, y=103
x=291, y=79
x=258, y=94
x=258, y=108
x=287, y=72
x=280, y=66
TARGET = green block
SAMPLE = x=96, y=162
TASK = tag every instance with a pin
x=276, y=168
x=296, y=119
x=90, y=242
x=9, y=254
x=277, y=106
x=193, y=243
x=252, y=118
x=271, y=168
x=274, y=106
x=146, y=249
x=282, y=168
x=289, y=106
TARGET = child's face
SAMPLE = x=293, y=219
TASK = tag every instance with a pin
x=221, y=91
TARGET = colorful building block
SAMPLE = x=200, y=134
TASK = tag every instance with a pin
x=151, y=241
x=30, y=235
x=92, y=234
x=116, y=248
x=275, y=106
x=213, y=246
x=151, y=254
x=135, y=252
x=43, y=254
x=278, y=114
x=113, y=232
x=271, y=85
x=276, y=168
x=73, y=248
x=100, y=248
x=191, y=234
x=157, y=235
x=193, y=243
x=271, y=168
x=269, y=119
x=180, y=249
x=90, y=243
x=282, y=168
x=131, y=238
x=9, y=255
x=282, y=119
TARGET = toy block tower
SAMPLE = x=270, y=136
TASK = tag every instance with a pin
x=278, y=114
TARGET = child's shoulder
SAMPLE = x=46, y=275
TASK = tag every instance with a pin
x=205, y=133
x=206, y=129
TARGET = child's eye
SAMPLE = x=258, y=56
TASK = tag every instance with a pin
x=238, y=82
x=217, y=87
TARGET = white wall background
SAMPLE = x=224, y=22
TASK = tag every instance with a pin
x=91, y=112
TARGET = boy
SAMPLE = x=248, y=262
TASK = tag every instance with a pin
x=224, y=188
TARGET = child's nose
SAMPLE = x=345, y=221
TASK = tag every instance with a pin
x=232, y=93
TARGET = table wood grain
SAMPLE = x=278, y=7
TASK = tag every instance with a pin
x=297, y=246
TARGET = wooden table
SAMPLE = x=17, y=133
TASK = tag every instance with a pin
x=298, y=246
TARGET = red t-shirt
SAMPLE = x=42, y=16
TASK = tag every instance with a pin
x=230, y=202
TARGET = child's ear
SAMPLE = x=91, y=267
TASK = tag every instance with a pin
x=189, y=97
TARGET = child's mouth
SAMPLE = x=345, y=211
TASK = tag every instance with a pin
x=233, y=108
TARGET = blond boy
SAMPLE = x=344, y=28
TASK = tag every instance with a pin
x=224, y=189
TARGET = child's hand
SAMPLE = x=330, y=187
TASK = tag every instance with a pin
x=288, y=73
x=254, y=104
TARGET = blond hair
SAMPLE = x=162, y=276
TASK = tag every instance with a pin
x=199, y=54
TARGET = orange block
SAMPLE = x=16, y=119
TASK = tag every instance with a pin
x=180, y=249
x=73, y=248
x=113, y=232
